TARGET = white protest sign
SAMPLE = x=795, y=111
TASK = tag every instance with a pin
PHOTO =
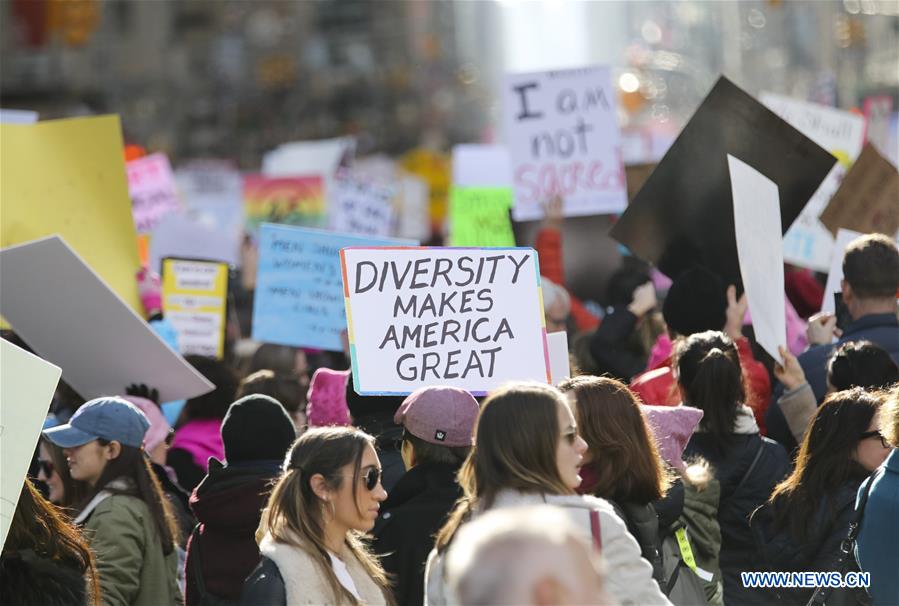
x=559, y=362
x=212, y=191
x=71, y=318
x=477, y=165
x=562, y=133
x=807, y=242
x=414, y=220
x=178, y=235
x=320, y=157
x=361, y=206
x=835, y=276
x=465, y=317
x=153, y=192
x=27, y=384
x=760, y=250
x=18, y=116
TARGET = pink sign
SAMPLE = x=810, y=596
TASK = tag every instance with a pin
x=152, y=188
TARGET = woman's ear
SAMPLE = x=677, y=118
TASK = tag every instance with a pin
x=113, y=450
x=320, y=487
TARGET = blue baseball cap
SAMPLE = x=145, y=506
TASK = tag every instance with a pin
x=110, y=418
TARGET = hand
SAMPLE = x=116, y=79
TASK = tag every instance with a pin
x=736, y=311
x=552, y=212
x=822, y=328
x=644, y=300
x=142, y=391
x=789, y=373
x=149, y=287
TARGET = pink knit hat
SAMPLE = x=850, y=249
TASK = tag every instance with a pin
x=672, y=427
x=159, y=427
x=327, y=398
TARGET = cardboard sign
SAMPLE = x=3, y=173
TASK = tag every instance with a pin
x=835, y=276
x=559, y=362
x=299, y=296
x=360, y=206
x=868, y=198
x=807, y=242
x=27, y=384
x=683, y=215
x=71, y=318
x=186, y=238
x=479, y=216
x=152, y=188
x=68, y=177
x=286, y=200
x=760, y=250
x=482, y=166
x=195, y=300
x=469, y=318
x=562, y=134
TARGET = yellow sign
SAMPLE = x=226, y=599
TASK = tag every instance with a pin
x=194, y=301
x=68, y=177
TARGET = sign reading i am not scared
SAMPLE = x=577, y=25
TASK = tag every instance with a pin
x=562, y=134
x=466, y=317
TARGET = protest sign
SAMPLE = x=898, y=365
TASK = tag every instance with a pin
x=807, y=242
x=434, y=168
x=299, y=294
x=152, y=189
x=562, y=134
x=414, y=222
x=68, y=177
x=185, y=237
x=212, y=193
x=683, y=215
x=287, y=200
x=27, y=384
x=360, y=206
x=637, y=174
x=71, y=318
x=18, y=116
x=760, y=250
x=835, y=276
x=465, y=317
x=297, y=158
x=477, y=165
x=195, y=299
x=559, y=362
x=877, y=110
x=479, y=216
x=868, y=198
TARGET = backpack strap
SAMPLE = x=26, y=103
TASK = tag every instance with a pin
x=755, y=461
x=197, y=560
x=596, y=530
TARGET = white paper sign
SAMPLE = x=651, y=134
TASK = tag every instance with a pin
x=559, y=362
x=181, y=236
x=18, y=116
x=562, y=134
x=760, y=250
x=835, y=277
x=808, y=242
x=481, y=166
x=301, y=158
x=71, y=318
x=360, y=206
x=27, y=384
x=469, y=318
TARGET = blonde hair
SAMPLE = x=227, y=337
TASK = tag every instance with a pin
x=294, y=514
x=889, y=416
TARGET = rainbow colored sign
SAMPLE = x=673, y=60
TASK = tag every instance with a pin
x=286, y=200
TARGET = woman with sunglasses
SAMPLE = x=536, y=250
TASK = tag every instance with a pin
x=801, y=526
x=527, y=452
x=328, y=496
x=62, y=490
x=127, y=518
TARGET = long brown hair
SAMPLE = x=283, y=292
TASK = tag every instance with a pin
x=294, y=514
x=623, y=451
x=826, y=460
x=516, y=437
x=39, y=526
x=134, y=465
x=74, y=490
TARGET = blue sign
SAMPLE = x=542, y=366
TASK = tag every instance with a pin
x=299, y=288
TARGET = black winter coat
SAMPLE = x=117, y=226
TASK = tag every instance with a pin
x=264, y=586
x=820, y=551
x=410, y=517
x=27, y=579
x=739, y=498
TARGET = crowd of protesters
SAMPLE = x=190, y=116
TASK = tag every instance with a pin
x=675, y=459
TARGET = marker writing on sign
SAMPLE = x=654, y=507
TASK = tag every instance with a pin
x=428, y=272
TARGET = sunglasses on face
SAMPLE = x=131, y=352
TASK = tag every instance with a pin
x=371, y=476
x=46, y=466
x=875, y=434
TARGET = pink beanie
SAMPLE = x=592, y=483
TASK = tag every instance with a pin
x=672, y=427
x=327, y=398
x=159, y=427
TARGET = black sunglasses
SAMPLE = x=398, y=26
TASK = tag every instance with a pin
x=372, y=477
x=872, y=434
x=46, y=466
